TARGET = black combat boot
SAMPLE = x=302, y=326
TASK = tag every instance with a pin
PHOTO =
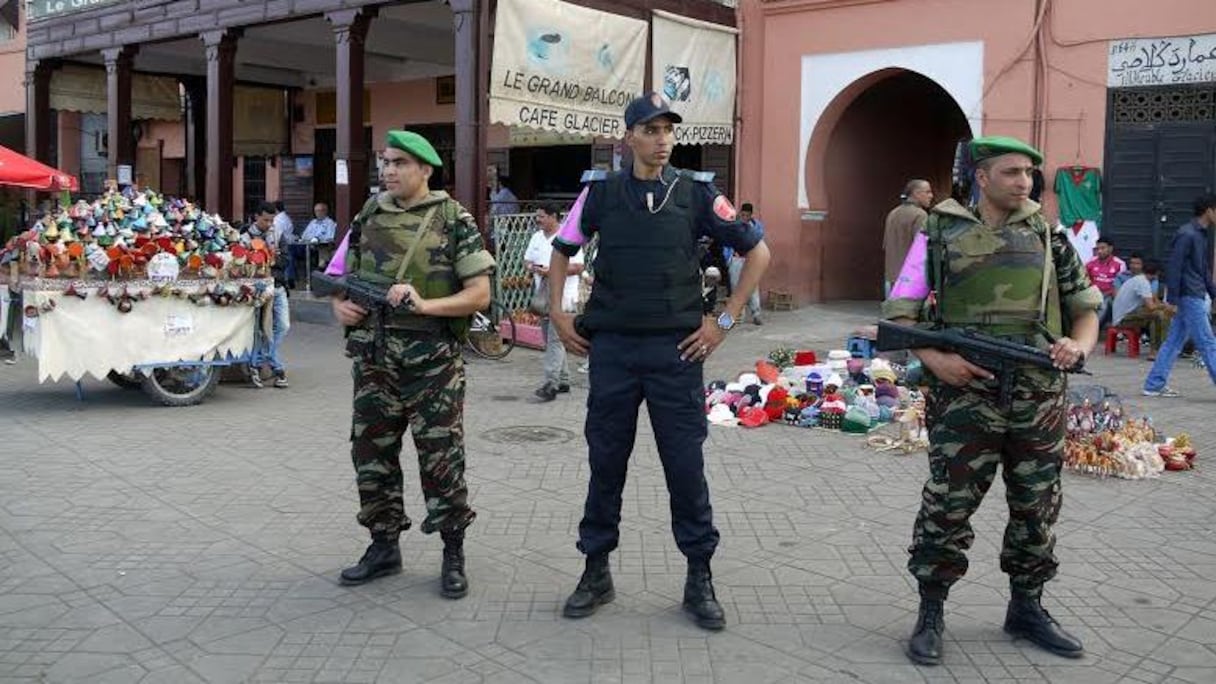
x=594, y=588
x=1027, y=619
x=453, y=583
x=383, y=557
x=699, y=598
x=925, y=644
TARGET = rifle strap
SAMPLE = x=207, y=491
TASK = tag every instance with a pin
x=423, y=229
x=1048, y=265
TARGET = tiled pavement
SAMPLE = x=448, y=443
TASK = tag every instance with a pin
x=182, y=545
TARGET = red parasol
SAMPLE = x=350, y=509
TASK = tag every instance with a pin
x=20, y=171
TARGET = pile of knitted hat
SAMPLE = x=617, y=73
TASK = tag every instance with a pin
x=118, y=234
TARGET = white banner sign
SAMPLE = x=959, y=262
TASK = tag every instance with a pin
x=694, y=68
x=1160, y=61
x=561, y=67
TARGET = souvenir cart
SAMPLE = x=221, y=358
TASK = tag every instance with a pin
x=145, y=290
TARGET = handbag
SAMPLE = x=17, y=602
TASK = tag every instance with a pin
x=540, y=298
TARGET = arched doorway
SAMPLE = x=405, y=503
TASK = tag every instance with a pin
x=900, y=127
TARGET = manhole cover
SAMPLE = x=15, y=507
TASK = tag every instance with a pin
x=528, y=434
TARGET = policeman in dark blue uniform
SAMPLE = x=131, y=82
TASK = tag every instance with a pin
x=649, y=337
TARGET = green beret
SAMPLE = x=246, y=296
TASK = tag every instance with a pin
x=995, y=145
x=409, y=141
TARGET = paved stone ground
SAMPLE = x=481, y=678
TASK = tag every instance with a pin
x=139, y=543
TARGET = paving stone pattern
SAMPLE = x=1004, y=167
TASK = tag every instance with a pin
x=145, y=544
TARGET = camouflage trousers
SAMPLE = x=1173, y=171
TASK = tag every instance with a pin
x=420, y=386
x=969, y=437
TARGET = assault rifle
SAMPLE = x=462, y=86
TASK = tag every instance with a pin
x=370, y=296
x=1000, y=357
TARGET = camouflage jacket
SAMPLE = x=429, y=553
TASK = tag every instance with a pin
x=451, y=250
x=991, y=278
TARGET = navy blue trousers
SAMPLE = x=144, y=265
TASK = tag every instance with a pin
x=625, y=369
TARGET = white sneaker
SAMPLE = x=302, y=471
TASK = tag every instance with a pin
x=1166, y=392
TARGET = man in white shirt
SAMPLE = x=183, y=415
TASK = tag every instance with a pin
x=1136, y=306
x=282, y=229
x=502, y=200
x=320, y=231
x=536, y=260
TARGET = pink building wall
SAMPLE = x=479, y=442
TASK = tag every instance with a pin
x=12, y=72
x=778, y=34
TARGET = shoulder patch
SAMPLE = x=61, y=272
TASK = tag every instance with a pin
x=594, y=175
x=699, y=176
x=723, y=209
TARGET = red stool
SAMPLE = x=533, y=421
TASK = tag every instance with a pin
x=1133, y=340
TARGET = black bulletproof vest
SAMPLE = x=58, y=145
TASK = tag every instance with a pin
x=647, y=278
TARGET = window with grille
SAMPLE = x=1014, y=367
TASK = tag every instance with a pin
x=1181, y=103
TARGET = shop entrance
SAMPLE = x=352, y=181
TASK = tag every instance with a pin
x=1160, y=156
x=901, y=127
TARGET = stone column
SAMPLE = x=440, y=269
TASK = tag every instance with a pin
x=220, y=47
x=196, y=136
x=472, y=105
x=38, y=110
x=350, y=32
x=121, y=143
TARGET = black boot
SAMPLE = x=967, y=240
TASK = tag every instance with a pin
x=1027, y=619
x=383, y=557
x=699, y=598
x=594, y=588
x=925, y=644
x=453, y=583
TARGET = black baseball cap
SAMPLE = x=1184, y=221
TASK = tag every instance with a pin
x=647, y=107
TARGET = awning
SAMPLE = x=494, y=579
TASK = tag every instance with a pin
x=259, y=122
x=83, y=89
x=20, y=171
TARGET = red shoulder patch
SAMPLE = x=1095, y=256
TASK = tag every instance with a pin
x=723, y=208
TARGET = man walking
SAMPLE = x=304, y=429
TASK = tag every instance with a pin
x=425, y=247
x=536, y=259
x=735, y=261
x=649, y=338
x=268, y=353
x=1189, y=286
x=986, y=268
x=903, y=223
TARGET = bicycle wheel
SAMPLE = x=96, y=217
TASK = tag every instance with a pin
x=492, y=333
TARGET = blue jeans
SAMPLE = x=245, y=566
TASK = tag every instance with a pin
x=1191, y=322
x=268, y=351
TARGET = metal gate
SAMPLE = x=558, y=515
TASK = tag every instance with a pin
x=1160, y=156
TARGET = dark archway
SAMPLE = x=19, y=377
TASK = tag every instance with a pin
x=904, y=126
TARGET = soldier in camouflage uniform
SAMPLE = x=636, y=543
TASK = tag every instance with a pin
x=426, y=246
x=998, y=268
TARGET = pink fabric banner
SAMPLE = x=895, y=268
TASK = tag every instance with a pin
x=337, y=265
x=913, y=281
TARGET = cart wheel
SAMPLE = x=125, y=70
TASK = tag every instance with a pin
x=127, y=381
x=181, y=385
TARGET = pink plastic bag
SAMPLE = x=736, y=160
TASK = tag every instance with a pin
x=337, y=265
x=913, y=282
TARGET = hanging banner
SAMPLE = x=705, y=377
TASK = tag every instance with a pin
x=1161, y=61
x=560, y=67
x=694, y=67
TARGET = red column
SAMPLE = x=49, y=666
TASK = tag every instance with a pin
x=350, y=33
x=38, y=110
x=121, y=148
x=472, y=105
x=220, y=47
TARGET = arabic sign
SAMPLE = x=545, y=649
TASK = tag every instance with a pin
x=695, y=62
x=41, y=9
x=1161, y=61
x=561, y=67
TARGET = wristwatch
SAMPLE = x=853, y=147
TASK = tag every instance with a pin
x=726, y=321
